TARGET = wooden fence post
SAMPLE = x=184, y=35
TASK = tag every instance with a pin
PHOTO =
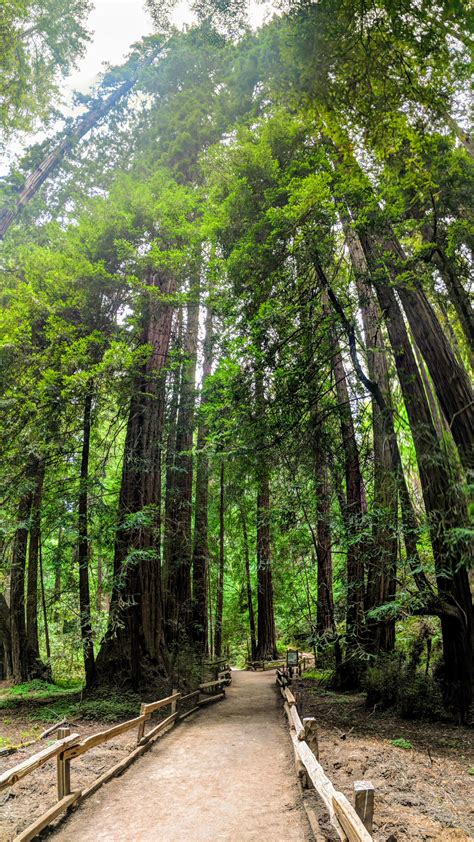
x=311, y=734
x=63, y=768
x=141, y=727
x=174, y=705
x=364, y=792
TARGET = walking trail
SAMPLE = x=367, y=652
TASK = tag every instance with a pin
x=226, y=773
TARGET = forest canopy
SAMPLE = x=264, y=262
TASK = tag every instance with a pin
x=236, y=348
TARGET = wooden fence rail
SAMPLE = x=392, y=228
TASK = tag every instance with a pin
x=70, y=746
x=350, y=823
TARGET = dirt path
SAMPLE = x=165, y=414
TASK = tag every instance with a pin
x=225, y=774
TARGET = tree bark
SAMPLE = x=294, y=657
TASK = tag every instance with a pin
x=248, y=580
x=19, y=643
x=325, y=602
x=83, y=548
x=33, y=553
x=355, y=498
x=171, y=426
x=179, y=540
x=266, y=646
x=43, y=605
x=201, y=548
x=133, y=648
x=445, y=507
x=220, y=580
x=382, y=558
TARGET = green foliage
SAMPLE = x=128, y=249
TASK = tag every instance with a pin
x=400, y=742
x=393, y=683
x=41, y=42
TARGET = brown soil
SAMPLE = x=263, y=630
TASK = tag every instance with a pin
x=423, y=793
x=32, y=796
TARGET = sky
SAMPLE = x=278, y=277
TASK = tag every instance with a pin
x=116, y=24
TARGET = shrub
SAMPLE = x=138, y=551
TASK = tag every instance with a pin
x=392, y=682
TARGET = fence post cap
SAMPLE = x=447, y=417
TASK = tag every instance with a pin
x=361, y=786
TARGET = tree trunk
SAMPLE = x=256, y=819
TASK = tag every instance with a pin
x=83, y=548
x=43, y=605
x=33, y=553
x=220, y=580
x=382, y=558
x=459, y=297
x=171, y=426
x=266, y=646
x=445, y=507
x=178, y=596
x=201, y=548
x=5, y=638
x=134, y=644
x=245, y=537
x=355, y=499
x=19, y=644
x=325, y=624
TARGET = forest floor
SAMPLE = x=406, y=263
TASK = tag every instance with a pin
x=226, y=773
x=425, y=792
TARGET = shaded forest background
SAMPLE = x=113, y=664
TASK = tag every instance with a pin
x=237, y=338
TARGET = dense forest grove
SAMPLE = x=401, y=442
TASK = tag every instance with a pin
x=237, y=339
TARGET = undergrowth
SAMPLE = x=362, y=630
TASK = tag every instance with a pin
x=44, y=702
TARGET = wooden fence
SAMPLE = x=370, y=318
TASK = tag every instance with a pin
x=353, y=823
x=69, y=746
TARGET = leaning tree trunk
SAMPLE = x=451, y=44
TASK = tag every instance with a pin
x=133, y=648
x=220, y=579
x=179, y=539
x=53, y=159
x=201, y=547
x=266, y=646
x=83, y=548
x=444, y=505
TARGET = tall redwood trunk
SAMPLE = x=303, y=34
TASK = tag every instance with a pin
x=248, y=580
x=387, y=258
x=445, y=507
x=19, y=646
x=171, y=427
x=33, y=556
x=266, y=645
x=382, y=558
x=220, y=579
x=451, y=382
x=134, y=645
x=201, y=548
x=325, y=602
x=355, y=500
x=83, y=547
x=179, y=539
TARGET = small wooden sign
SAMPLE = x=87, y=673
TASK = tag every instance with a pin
x=292, y=658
